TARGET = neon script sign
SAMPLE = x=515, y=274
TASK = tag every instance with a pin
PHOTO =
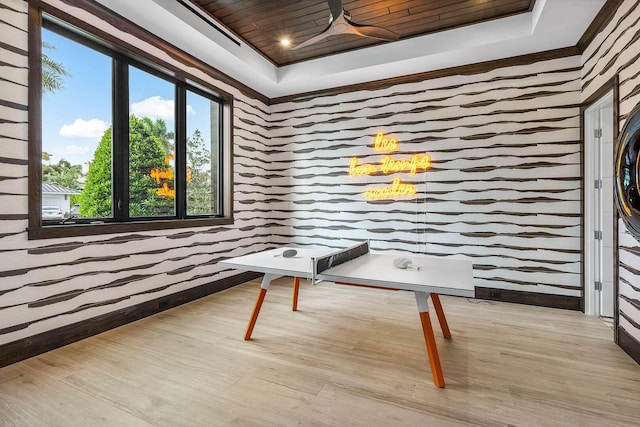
x=388, y=165
x=164, y=175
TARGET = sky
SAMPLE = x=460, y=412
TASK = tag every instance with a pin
x=75, y=117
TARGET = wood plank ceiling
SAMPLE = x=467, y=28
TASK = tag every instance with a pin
x=263, y=23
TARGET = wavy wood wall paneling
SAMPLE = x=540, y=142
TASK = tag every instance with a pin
x=13, y=113
x=616, y=50
x=49, y=284
x=504, y=187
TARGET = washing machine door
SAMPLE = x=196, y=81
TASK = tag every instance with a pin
x=627, y=168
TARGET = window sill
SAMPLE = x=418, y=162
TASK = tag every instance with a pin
x=73, y=230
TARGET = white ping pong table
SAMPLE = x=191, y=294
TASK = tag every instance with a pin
x=426, y=276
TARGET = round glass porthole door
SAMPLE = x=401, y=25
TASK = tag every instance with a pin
x=627, y=168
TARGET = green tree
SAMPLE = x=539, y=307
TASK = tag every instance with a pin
x=96, y=196
x=53, y=73
x=63, y=173
x=148, y=146
x=148, y=142
x=159, y=131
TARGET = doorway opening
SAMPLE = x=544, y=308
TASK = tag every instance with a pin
x=599, y=208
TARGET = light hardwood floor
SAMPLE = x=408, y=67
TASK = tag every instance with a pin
x=348, y=357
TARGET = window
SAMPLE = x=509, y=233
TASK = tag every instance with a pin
x=125, y=143
x=76, y=124
x=151, y=145
x=203, y=140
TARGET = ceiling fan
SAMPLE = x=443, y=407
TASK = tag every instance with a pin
x=340, y=23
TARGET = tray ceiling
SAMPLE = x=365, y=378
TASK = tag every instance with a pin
x=263, y=23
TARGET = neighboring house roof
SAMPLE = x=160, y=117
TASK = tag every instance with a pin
x=59, y=189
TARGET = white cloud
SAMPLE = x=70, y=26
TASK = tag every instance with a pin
x=74, y=154
x=154, y=108
x=80, y=128
x=75, y=150
x=157, y=108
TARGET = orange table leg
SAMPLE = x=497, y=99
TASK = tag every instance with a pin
x=254, y=315
x=296, y=288
x=435, y=298
x=432, y=350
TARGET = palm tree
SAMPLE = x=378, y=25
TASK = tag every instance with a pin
x=46, y=157
x=53, y=73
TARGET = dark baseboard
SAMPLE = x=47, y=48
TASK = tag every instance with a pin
x=32, y=346
x=529, y=298
x=629, y=344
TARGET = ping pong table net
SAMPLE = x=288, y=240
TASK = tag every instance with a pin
x=326, y=262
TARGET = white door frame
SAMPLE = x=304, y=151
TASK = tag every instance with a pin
x=591, y=156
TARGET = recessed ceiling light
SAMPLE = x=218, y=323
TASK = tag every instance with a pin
x=285, y=42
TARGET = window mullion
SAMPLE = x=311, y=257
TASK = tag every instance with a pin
x=120, y=143
x=181, y=150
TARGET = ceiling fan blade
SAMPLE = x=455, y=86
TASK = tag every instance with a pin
x=340, y=23
x=318, y=37
x=375, y=32
x=335, y=6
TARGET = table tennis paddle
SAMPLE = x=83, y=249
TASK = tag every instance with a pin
x=287, y=253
